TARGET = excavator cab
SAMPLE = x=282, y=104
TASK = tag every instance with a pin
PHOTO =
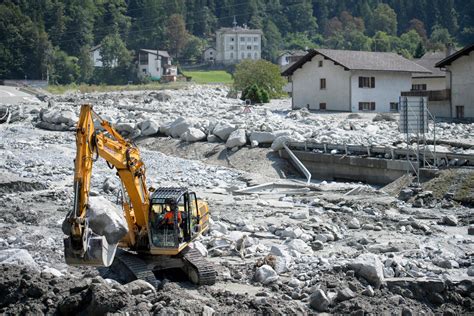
x=174, y=219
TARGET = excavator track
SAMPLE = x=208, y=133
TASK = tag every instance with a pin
x=200, y=271
x=134, y=266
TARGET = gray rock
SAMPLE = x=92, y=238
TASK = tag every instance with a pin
x=353, y=223
x=207, y=311
x=319, y=301
x=299, y=215
x=281, y=140
x=161, y=96
x=139, y=287
x=369, y=291
x=345, y=294
x=369, y=267
x=300, y=246
x=223, y=130
x=237, y=138
x=450, y=220
x=470, y=230
x=317, y=245
x=106, y=219
x=446, y=263
x=262, y=137
x=19, y=257
x=470, y=271
x=179, y=127
x=265, y=274
x=148, y=127
x=220, y=227
x=193, y=135
x=212, y=138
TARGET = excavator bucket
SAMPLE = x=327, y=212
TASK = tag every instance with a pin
x=95, y=251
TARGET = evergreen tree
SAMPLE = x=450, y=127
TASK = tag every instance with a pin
x=271, y=41
x=385, y=19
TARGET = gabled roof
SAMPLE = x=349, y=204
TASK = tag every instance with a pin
x=162, y=53
x=95, y=47
x=360, y=60
x=429, y=61
x=448, y=60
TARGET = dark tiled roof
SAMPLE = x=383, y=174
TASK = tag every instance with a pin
x=360, y=60
x=156, y=52
x=429, y=61
x=448, y=60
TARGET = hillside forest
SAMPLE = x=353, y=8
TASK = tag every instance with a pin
x=53, y=38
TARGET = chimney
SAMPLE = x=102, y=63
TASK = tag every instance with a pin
x=450, y=49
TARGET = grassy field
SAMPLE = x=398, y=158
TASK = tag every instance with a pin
x=214, y=76
x=84, y=88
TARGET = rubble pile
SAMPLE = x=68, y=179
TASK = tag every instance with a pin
x=342, y=248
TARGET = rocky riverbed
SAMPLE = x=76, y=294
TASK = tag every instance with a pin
x=344, y=248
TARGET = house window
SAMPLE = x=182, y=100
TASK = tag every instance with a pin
x=320, y=63
x=322, y=83
x=249, y=46
x=366, y=82
x=231, y=55
x=242, y=55
x=322, y=106
x=366, y=106
x=459, y=111
x=210, y=53
x=231, y=47
x=231, y=39
x=249, y=55
x=393, y=106
x=143, y=58
x=255, y=55
x=255, y=47
x=418, y=87
x=242, y=39
x=255, y=39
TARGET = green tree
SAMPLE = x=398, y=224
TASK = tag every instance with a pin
x=439, y=38
x=147, y=24
x=79, y=25
x=116, y=60
x=192, y=51
x=420, y=50
x=300, y=15
x=409, y=41
x=271, y=41
x=85, y=64
x=65, y=68
x=419, y=27
x=299, y=41
x=262, y=73
x=381, y=42
x=111, y=19
x=384, y=19
x=176, y=34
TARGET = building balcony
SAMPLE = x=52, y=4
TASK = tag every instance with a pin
x=432, y=95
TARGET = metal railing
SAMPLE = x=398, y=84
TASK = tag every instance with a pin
x=298, y=163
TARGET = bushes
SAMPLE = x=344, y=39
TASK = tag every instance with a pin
x=262, y=73
x=255, y=94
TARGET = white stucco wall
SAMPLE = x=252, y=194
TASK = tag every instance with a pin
x=388, y=88
x=306, y=86
x=96, y=58
x=462, y=90
x=232, y=47
x=153, y=69
x=432, y=83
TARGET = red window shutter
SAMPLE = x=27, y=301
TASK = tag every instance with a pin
x=361, y=107
x=360, y=82
x=372, y=106
x=372, y=82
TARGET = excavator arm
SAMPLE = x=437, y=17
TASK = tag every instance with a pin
x=82, y=246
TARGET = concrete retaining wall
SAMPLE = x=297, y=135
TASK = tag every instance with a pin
x=350, y=168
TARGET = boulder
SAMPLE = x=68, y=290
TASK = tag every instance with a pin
x=220, y=227
x=449, y=220
x=265, y=274
x=300, y=246
x=193, y=135
x=223, y=130
x=200, y=247
x=58, y=116
x=19, y=257
x=179, y=127
x=106, y=219
x=345, y=294
x=353, y=223
x=369, y=267
x=319, y=301
x=281, y=140
x=52, y=271
x=128, y=129
x=148, y=127
x=237, y=138
x=138, y=287
x=262, y=137
x=161, y=96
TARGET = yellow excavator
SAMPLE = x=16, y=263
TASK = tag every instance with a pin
x=162, y=222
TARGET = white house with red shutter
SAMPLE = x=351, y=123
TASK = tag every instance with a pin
x=350, y=81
